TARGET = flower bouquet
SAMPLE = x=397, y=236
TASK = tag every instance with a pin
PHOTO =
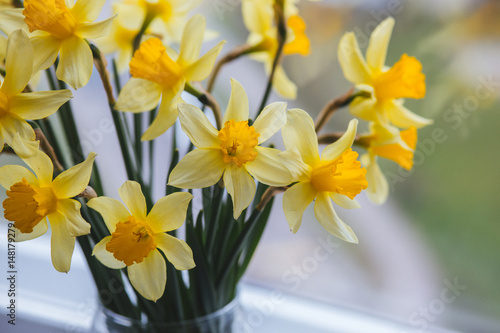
x=231, y=165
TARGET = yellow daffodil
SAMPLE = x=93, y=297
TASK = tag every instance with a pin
x=6, y=4
x=385, y=87
x=138, y=236
x=158, y=73
x=335, y=175
x=16, y=106
x=233, y=152
x=258, y=16
x=400, y=151
x=32, y=199
x=167, y=17
x=58, y=29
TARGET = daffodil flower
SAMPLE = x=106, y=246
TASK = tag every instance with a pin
x=155, y=75
x=58, y=29
x=399, y=151
x=258, y=16
x=335, y=175
x=233, y=152
x=16, y=106
x=32, y=199
x=385, y=86
x=137, y=237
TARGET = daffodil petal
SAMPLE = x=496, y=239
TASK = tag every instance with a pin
x=351, y=61
x=299, y=133
x=192, y=39
x=283, y=85
x=70, y=209
x=257, y=18
x=197, y=127
x=38, y=230
x=62, y=243
x=402, y=117
x=378, y=186
x=132, y=196
x=75, y=62
x=74, y=180
x=46, y=49
x=87, y=10
x=3, y=47
x=379, y=41
x=169, y=212
x=295, y=201
x=292, y=160
x=268, y=168
x=94, y=30
x=334, y=150
x=11, y=20
x=111, y=210
x=138, y=95
x=201, y=68
x=47, y=102
x=176, y=251
x=11, y=174
x=18, y=73
x=198, y=169
x=344, y=201
x=364, y=108
x=270, y=121
x=241, y=186
x=105, y=257
x=237, y=107
x=326, y=215
x=150, y=276
x=12, y=125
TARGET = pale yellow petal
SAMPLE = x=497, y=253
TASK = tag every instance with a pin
x=176, y=251
x=62, y=243
x=326, y=215
x=334, y=150
x=38, y=230
x=75, y=62
x=105, y=257
x=292, y=160
x=70, y=209
x=197, y=127
x=344, y=201
x=12, y=20
x=192, y=39
x=201, y=68
x=40, y=104
x=3, y=47
x=299, y=133
x=237, y=107
x=241, y=186
x=283, y=85
x=402, y=117
x=18, y=70
x=268, y=168
x=169, y=212
x=11, y=174
x=351, y=61
x=150, y=276
x=257, y=17
x=111, y=210
x=94, y=30
x=74, y=180
x=378, y=186
x=364, y=108
x=198, y=169
x=270, y=121
x=295, y=201
x=12, y=125
x=138, y=95
x=87, y=10
x=131, y=194
x=46, y=49
x=379, y=42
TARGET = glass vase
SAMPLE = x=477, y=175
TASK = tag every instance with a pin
x=224, y=320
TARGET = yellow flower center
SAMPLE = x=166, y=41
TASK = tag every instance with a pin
x=343, y=175
x=4, y=104
x=152, y=63
x=51, y=16
x=398, y=154
x=238, y=142
x=161, y=8
x=131, y=241
x=26, y=205
x=300, y=44
x=404, y=79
